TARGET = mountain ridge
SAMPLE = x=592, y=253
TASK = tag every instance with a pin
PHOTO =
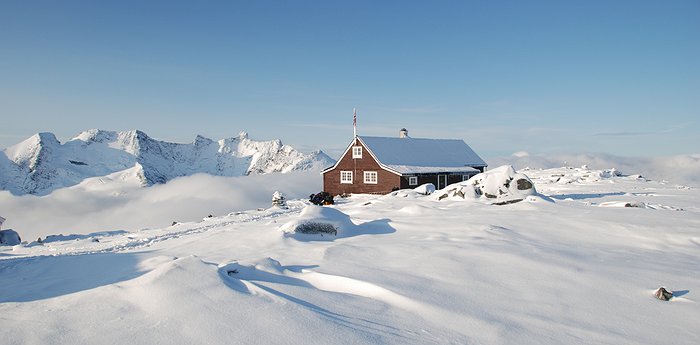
x=41, y=163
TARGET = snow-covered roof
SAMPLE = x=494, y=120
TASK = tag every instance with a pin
x=410, y=169
x=414, y=155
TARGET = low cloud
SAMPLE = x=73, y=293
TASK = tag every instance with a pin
x=81, y=211
x=680, y=169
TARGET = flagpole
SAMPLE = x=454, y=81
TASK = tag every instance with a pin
x=354, y=123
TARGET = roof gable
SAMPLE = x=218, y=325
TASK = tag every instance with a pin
x=422, y=152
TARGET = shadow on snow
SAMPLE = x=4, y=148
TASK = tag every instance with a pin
x=42, y=277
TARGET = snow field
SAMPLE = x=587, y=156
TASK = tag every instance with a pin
x=411, y=270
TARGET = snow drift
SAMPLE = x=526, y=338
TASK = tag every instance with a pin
x=323, y=223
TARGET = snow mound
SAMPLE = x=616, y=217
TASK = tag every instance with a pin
x=318, y=222
x=502, y=185
x=425, y=189
x=327, y=223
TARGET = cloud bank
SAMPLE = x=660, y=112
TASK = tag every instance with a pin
x=680, y=169
x=83, y=210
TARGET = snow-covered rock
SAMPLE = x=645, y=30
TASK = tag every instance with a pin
x=42, y=164
x=9, y=237
x=317, y=222
x=502, y=184
x=279, y=200
x=425, y=189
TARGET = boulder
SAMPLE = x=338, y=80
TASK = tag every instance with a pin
x=663, y=294
x=503, y=182
x=524, y=184
x=457, y=191
x=9, y=237
x=502, y=186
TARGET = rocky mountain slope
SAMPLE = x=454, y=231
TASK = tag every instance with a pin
x=41, y=163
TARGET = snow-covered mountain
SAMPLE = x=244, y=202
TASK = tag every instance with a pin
x=41, y=164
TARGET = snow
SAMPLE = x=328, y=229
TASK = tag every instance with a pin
x=408, y=269
x=118, y=202
x=41, y=164
x=502, y=185
x=425, y=189
x=419, y=152
x=326, y=224
x=409, y=169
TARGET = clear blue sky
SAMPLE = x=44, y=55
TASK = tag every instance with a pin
x=621, y=77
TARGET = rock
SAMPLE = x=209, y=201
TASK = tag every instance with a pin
x=316, y=228
x=317, y=222
x=524, y=184
x=498, y=184
x=506, y=202
x=322, y=198
x=663, y=294
x=9, y=237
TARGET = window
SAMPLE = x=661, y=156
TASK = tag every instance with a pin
x=346, y=177
x=357, y=152
x=466, y=177
x=371, y=177
x=413, y=180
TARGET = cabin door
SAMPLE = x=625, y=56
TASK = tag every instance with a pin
x=442, y=181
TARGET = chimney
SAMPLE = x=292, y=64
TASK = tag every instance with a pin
x=403, y=133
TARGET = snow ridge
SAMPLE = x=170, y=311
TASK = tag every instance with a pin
x=41, y=164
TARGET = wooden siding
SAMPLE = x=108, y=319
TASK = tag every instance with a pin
x=386, y=181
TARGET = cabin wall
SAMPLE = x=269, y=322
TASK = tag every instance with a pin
x=433, y=178
x=386, y=181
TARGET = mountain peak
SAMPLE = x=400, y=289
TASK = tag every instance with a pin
x=96, y=135
x=202, y=141
x=41, y=164
x=47, y=137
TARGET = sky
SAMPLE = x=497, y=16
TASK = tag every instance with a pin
x=618, y=77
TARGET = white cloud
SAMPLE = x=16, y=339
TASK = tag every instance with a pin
x=80, y=210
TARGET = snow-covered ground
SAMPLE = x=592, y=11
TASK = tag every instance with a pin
x=570, y=265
